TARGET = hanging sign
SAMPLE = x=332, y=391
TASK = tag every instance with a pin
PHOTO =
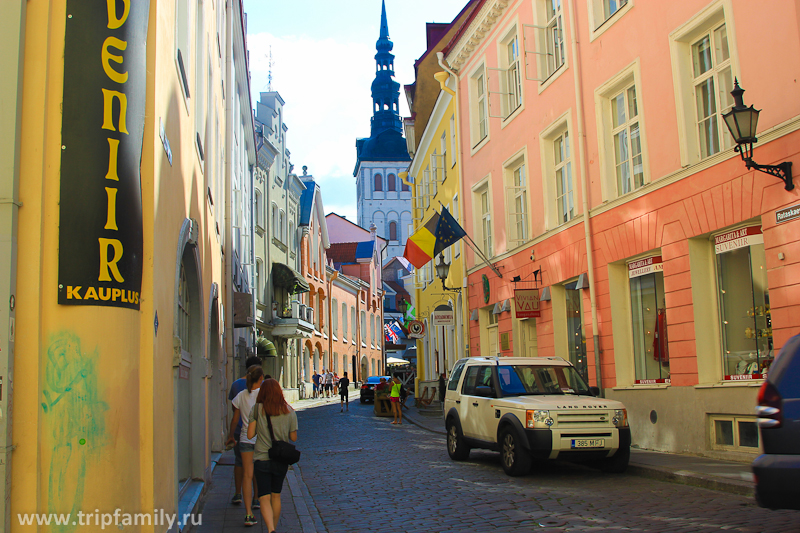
x=416, y=329
x=100, y=221
x=645, y=266
x=526, y=303
x=739, y=238
x=443, y=316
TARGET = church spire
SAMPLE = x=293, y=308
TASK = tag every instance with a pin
x=385, y=90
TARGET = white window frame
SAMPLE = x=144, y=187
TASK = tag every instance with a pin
x=453, y=151
x=550, y=65
x=681, y=40
x=443, y=151
x=518, y=230
x=547, y=140
x=259, y=207
x=483, y=219
x=601, y=16
x=479, y=107
x=511, y=72
x=627, y=77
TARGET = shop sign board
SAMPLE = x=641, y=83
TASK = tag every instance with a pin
x=744, y=377
x=100, y=243
x=739, y=238
x=785, y=215
x=645, y=266
x=443, y=317
x=526, y=303
x=652, y=381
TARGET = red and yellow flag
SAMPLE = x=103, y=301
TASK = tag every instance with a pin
x=420, y=246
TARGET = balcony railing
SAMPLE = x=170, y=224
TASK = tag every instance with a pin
x=298, y=323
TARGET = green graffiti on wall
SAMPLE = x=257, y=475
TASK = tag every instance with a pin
x=74, y=419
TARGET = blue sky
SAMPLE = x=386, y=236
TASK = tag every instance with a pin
x=323, y=64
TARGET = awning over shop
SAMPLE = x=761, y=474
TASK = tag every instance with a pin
x=286, y=277
x=266, y=347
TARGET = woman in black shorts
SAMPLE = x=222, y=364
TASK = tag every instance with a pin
x=270, y=474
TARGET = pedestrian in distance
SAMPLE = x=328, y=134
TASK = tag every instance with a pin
x=394, y=397
x=270, y=408
x=243, y=403
x=238, y=470
x=442, y=381
x=335, y=383
x=329, y=384
x=403, y=397
x=315, y=380
x=344, y=393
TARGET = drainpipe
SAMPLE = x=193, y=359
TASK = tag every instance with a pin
x=465, y=296
x=584, y=181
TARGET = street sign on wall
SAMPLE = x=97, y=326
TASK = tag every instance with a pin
x=443, y=316
x=100, y=221
x=526, y=303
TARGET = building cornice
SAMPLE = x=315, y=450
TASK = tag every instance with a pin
x=480, y=26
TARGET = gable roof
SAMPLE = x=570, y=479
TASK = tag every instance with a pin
x=342, y=252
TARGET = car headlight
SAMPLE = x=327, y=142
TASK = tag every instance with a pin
x=538, y=418
x=620, y=418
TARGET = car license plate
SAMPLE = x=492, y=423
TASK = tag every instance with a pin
x=588, y=443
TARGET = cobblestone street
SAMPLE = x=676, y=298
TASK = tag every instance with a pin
x=400, y=479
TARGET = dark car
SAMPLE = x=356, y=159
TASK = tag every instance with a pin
x=777, y=471
x=368, y=387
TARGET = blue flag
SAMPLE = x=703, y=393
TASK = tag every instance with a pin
x=448, y=232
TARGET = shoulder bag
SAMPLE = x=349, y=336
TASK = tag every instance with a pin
x=282, y=451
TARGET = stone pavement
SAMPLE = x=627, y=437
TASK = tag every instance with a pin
x=361, y=474
x=728, y=476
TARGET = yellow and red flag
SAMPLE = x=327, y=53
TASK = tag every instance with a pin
x=420, y=246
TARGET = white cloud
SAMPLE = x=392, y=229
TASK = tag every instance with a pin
x=326, y=86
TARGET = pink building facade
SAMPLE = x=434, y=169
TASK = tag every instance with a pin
x=598, y=169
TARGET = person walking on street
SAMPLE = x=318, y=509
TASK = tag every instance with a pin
x=329, y=384
x=394, y=397
x=243, y=403
x=272, y=409
x=238, y=470
x=344, y=393
x=335, y=383
x=316, y=380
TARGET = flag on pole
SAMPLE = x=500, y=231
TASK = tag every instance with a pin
x=411, y=312
x=448, y=232
x=392, y=332
x=420, y=246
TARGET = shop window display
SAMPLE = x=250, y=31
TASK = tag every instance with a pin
x=746, y=324
x=649, y=321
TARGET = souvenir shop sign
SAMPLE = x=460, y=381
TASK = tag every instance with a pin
x=100, y=220
x=659, y=381
x=416, y=329
x=526, y=303
x=739, y=238
x=646, y=266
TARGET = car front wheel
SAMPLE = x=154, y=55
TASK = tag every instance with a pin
x=618, y=463
x=456, y=447
x=516, y=459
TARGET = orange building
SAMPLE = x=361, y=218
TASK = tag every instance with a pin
x=598, y=169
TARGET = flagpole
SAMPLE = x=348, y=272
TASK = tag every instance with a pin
x=475, y=249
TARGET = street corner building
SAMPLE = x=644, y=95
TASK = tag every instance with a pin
x=129, y=150
x=656, y=249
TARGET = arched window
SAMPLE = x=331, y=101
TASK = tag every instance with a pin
x=392, y=231
x=391, y=183
x=378, y=182
x=404, y=187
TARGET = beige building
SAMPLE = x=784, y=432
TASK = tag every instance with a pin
x=116, y=193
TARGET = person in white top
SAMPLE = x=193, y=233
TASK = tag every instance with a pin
x=329, y=384
x=244, y=403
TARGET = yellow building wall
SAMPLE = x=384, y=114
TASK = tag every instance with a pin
x=428, y=298
x=94, y=387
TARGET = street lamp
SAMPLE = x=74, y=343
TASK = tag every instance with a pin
x=742, y=122
x=442, y=270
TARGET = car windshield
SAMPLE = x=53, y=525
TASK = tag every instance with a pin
x=520, y=380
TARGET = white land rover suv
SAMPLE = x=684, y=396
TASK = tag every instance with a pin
x=532, y=408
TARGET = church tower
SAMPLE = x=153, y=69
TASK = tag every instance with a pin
x=383, y=199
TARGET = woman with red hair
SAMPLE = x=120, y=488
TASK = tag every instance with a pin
x=270, y=408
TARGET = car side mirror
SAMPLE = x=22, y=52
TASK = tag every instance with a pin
x=594, y=391
x=484, y=391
